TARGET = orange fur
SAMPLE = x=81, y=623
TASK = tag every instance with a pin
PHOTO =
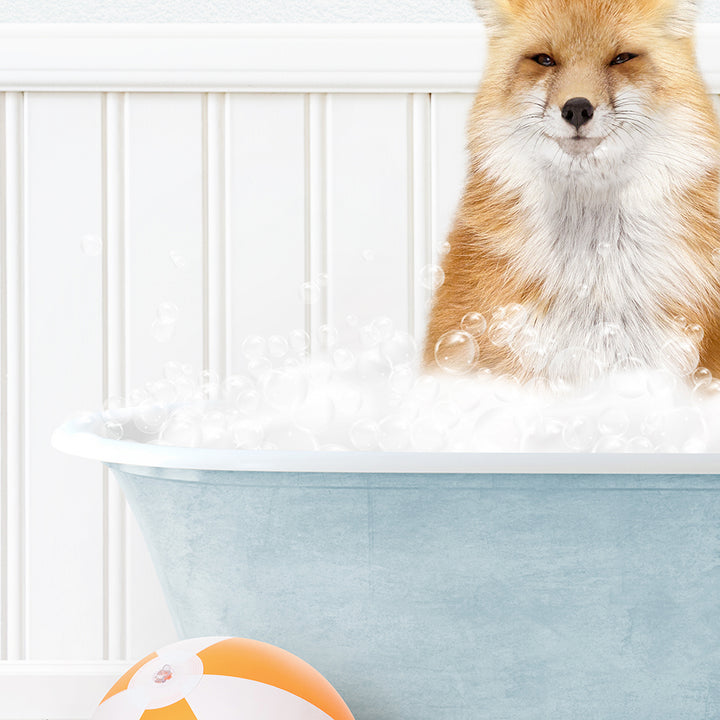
x=484, y=268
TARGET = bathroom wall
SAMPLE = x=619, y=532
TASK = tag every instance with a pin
x=219, y=170
x=236, y=11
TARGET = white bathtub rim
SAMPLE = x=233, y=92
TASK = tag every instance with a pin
x=74, y=439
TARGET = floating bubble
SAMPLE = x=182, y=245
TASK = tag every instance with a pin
x=91, y=245
x=372, y=366
x=432, y=277
x=299, y=341
x=367, y=255
x=181, y=430
x=400, y=349
x=702, y=377
x=253, y=347
x=500, y=333
x=178, y=259
x=401, y=380
x=343, y=360
x=680, y=355
x=167, y=312
x=327, y=337
x=162, y=331
x=113, y=429
x=456, y=352
x=277, y=346
x=474, y=323
x=310, y=292
x=384, y=327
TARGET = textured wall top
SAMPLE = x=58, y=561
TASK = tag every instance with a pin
x=239, y=11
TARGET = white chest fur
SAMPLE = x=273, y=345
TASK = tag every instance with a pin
x=609, y=264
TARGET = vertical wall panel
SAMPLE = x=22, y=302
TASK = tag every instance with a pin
x=64, y=362
x=368, y=208
x=449, y=159
x=13, y=615
x=164, y=231
x=164, y=263
x=267, y=215
x=115, y=555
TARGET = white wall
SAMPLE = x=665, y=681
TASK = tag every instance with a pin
x=238, y=11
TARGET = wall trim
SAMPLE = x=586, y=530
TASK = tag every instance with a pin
x=441, y=57
x=55, y=690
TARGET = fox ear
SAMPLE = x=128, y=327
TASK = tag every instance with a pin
x=681, y=17
x=493, y=13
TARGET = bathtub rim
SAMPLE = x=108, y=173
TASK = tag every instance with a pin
x=79, y=437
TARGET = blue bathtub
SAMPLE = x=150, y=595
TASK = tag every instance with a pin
x=447, y=586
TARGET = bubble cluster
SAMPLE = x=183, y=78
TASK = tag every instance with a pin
x=363, y=390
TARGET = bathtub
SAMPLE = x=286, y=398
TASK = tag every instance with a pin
x=446, y=586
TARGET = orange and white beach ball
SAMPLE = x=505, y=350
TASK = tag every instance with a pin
x=222, y=679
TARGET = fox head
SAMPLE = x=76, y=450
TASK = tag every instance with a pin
x=587, y=88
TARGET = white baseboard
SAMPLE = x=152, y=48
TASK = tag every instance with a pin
x=55, y=690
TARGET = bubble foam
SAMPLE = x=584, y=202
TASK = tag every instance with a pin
x=364, y=391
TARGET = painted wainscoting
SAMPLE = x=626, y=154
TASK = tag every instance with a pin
x=217, y=168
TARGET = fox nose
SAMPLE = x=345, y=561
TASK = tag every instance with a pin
x=577, y=111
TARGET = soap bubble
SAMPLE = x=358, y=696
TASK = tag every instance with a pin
x=162, y=331
x=426, y=436
x=234, y=386
x=500, y=333
x=400, y=349
x=432, y=277
x=277, y=346
x=213, y=429
x=181, y=430
x=573, y=368
x=167, y=312
x=290, y=438
x=316, y=412
x=247, y=433
x=299, y=341
x=372, y=366
x=384, y=328
x=178, y=259
x=474, y=323
x=149, y=417
x=402, y=379
x=580, y=433
x=91, y=245
x=364, y=434
x=164, y=392
x=253, y=347
x=343, y=359
x=113, y=429
x=285, y=389
x=327, y=337
x=456, y=352
x=702, y=377
x=367, y=255
x=393, y=433
x=613, y=421
x=310, y=292
x=680, y=355
x=610, y=444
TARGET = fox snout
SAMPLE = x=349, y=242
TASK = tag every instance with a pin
x=577, y=111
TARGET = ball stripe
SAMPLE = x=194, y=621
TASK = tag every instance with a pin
x=177, y=711
x=254, y=660
x=124, y=681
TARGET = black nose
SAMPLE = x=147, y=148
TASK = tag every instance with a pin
x=577, y=111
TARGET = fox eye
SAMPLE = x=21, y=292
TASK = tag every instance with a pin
x=623, y=58
x=544, y=60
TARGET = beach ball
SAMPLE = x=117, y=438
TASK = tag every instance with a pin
x=222, y=678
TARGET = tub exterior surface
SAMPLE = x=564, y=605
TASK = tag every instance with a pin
x=455, y=597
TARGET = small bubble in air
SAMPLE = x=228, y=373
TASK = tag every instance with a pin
x=162, y=331
x=432, y=277
x=309, y=292
x=367, y=255
x=277, y=346
x=299, y=341
x=456, y=352
x=253, y=347
x=474, y=323
x=91, y=245
x=178, y=259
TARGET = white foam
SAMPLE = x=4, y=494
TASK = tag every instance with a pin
x=364, y=392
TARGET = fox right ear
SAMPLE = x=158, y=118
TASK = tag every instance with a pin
x=493, y=13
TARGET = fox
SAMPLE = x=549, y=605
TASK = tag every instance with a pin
x=587, y=236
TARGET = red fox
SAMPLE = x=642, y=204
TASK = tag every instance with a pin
x=589, y=220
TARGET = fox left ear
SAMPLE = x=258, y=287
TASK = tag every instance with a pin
x=681, y=17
